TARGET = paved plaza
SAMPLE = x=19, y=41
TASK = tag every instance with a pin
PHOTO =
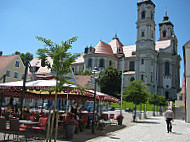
x=150, y=130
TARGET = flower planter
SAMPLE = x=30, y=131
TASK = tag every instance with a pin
x=120, y=121
x=69, y=133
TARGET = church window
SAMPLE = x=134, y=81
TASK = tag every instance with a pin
x=167, y=95
x=164, y=33
x=90, y=63
x=131, y=79
x=142, y=77
x=151, y=77
x=142, y=61
x=101, y=63
x=131, y=66
x=143, y=15
x=167, y=68
x=142, y=34
x=110, y=63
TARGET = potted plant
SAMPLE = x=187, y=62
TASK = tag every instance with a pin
x=120, y=119
x=70, y=128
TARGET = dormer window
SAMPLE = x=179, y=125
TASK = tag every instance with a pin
x=143, y=15
x=119, y=50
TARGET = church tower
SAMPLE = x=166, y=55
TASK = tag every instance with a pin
x=146, y=56
x=166, y=28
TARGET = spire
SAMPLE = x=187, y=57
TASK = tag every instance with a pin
x=116, y=36
x=166, y=12
x=166, y=15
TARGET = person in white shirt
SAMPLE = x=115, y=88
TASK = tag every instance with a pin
x=169, y=115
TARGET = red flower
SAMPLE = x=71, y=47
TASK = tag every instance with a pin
x=120, y=116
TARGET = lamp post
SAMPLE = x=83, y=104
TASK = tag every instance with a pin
x=122, y=66
x=96, y=76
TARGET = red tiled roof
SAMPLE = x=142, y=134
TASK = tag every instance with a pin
x=5, y=60
x=103, y=48
x=183, y=85
x=82, y=79
x=115, y=43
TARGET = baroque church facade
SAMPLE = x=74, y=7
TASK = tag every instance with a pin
x=155, y=63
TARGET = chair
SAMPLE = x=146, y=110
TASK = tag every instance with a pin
x=3, y=127
x=15, y=128
x=112, y=116
x=105, y=116
x=84, y=120
x=41, y=126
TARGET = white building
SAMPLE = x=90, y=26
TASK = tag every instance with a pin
x=156, y=63
x=186, y=54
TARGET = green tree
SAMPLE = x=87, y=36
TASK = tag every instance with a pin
x=62, y=60
x=137, y=93
x=155, y=100
x=24, y=56
x=110, y=82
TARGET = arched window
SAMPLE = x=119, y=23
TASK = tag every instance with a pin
x=142, y=61
x=142, y=77
x=143, y=15
x=101, y=63
x=131, y=79
x=164, y=33
x=110, y=63
x=167, y=95
x=167, y=68
x=90, y=63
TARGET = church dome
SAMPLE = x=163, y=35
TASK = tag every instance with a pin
x=116, y=44
x=103, y=48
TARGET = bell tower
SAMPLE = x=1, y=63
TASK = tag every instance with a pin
x=145, y=44
x=145, y=25
x=166, y=28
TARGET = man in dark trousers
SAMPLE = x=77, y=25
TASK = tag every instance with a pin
x=169, y=115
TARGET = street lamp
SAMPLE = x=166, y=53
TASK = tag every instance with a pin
x=95, y=76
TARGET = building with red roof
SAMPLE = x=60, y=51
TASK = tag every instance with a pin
x=155, y=63
x=11, y=66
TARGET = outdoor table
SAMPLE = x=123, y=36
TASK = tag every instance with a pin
x=28, y=124
x=103, y=124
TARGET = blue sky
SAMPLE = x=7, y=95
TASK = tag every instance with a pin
x=90, y=20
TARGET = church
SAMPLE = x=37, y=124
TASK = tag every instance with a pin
x=155, y=63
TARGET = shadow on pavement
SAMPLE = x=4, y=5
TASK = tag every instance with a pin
x=148, y=122
x=87, y=135
x=176, y=133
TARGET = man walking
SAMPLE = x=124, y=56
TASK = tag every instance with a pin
x=169, y=115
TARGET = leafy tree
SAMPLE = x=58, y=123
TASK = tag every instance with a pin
x=155, y=100
x=110, y=81
x=137, y=93
x=62, y=61
x=24, y=56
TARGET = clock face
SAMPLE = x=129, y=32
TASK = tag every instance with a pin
x=164, y=27
x=143, y=6
x=142, y=42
